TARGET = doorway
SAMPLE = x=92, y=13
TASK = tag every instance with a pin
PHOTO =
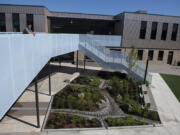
x=170, y=57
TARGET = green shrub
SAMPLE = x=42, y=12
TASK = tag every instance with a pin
x=95, y=81
x=59, y=115
x=127, y=121
x=147, y=83
x=125, y=86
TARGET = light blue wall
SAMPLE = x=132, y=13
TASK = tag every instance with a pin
x=23, y=56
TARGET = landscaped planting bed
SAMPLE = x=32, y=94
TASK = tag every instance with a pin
x=60, y=120
x=124, y=87
x=84, y=96
x=127, y=121
x=79, y=98
x=125, y=93
x=87, y=80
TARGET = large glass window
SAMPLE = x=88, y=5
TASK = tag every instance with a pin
x=16, y=24
x=140, y=54
x=2, y=22
x=150, y=54
x=154, y=30
x=164, y=31
x=160, y=55
x=174, y=32
x=142, y=34
x=29, y=20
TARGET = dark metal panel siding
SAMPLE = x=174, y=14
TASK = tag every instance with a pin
x=39, y=23
x=159, y=31
x=148, y=30
x=9, y=27
x=23, y=24
x=21, y=9
x=38, y=13
x=132, y=24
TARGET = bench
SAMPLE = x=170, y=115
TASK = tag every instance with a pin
x=146, y=96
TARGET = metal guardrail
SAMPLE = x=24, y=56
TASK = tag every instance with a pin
x=113, y=58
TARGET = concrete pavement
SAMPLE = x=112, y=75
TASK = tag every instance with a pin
x=165, y=69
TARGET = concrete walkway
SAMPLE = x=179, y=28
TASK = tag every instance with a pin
x=167, y=104
x=165, y=69
x=25, y=110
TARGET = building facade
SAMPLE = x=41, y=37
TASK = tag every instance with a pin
x=156, y=37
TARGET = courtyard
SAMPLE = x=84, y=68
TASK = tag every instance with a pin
x=168, y=109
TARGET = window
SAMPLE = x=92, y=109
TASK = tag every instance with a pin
x=160, y=55
x=16, y=25
x=143, y=30
x=2, y=22
x=174, y=32
x=154, y=30
x=29, y=20
x=150, y=54
x=115, y=49
x=164, y=31
x=140, y=54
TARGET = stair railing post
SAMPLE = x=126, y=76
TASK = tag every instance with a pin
x=147, y=63
x=49, y=79
x=37, y=103
x=84, y=62
x=77, y=61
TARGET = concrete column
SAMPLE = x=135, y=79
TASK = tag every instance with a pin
x=9, y=26
x=22, y=19
x=178, y=34
x=148, y=30
x=165, y=57
x=48, y=25
x=169, y=33
x=39, y=23
x=176, y=57
x=159, y=31
x=80, y=56
x=145, y=55
x=155, y=59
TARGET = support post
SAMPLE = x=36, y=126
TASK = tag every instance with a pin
x=77, y=61
x=49, y=79
x=37, y=103
x=147, y=63
x=59, y=61
x=84, y=63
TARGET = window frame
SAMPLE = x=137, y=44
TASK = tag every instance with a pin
x=154, y=27
x=160, y=58
x=174, y=32
x=164, y=31
x=150, y=57
x=143, y=29
x=16, y=26
x=30, y=21
x=140, y=57
x=3, y=26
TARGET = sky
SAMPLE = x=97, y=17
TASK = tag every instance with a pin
x=107, y=7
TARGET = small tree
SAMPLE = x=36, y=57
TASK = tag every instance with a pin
x=132, y=59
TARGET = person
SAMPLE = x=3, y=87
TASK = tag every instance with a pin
x=28, y=30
